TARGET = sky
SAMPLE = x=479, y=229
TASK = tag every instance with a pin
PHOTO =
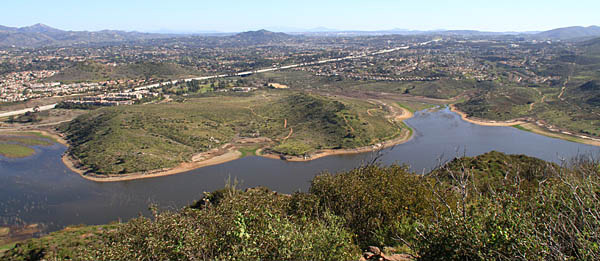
x=285, y=15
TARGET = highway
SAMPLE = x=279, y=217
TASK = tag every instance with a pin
x=275, y=68
x=49, y=107
x=18, y=112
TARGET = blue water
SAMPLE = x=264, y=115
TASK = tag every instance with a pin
x=40, y=189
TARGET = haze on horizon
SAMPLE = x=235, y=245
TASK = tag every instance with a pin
x=235, y=16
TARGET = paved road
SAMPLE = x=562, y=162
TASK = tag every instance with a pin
x=14, y=113
x=49, y=107
x=276, y=68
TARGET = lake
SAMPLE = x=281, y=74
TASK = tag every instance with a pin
x=40, y=189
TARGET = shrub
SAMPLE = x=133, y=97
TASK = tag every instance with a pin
x=560, y=220
x=248, y=225
x=378, y=204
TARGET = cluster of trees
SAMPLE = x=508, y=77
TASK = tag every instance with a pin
x=28, y=117
x=195, y=86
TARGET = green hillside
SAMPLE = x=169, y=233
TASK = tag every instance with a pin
x=155, y=136
x=571, y=104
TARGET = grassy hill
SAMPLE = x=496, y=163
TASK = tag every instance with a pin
x=148, y=137
x=539, y=211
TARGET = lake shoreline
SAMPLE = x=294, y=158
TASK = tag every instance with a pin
x=229, y=153
x=28, y=150
x=526, y=126
x=483, y=122
x=532, y=127
x=228, y=156
x=406, y=137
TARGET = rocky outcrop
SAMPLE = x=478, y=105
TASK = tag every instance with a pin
x=374, y=253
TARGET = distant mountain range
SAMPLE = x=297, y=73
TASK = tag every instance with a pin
x=261, y=36
x=567, y=33
x=571, y=33
x=43, y=35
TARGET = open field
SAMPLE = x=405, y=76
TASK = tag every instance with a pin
x=15, y=150
x=19, y=144
x=147, y=138
x=440, y=89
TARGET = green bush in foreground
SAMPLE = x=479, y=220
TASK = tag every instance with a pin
x=559, y=220
x=242, y=226
x=470, y=209
x=379, y=204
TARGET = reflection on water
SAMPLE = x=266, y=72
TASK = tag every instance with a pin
x=40, y=189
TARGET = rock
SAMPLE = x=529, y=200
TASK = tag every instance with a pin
x=368, y=255
x=374, y=253
x=375, y=250
x=397, y=257
x=33, y=226
x=4, y=231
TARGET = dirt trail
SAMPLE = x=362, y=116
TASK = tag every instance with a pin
x=166, y=100
x=564, y=88
x=398, y=114
x=541, y=101
x=374, y=102
x=289, y=135
x=348, y=124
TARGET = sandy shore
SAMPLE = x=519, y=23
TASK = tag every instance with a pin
x=183, y=167
x=231, y=153
x=404, y=137
x=227, y=153
x=527, y=126
x=482, y=122
x=541, y=131
x=54, y=136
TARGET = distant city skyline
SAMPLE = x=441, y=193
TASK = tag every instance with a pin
x=188, y=16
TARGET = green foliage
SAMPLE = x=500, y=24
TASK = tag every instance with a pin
x=553, y=216
x=140, y=138
x=536, y=211
x=569, y=101
x=28, y=117
x=294, y=148
x=248, y=225
x=494, y=171
x=378, y=204
x=500, y=103
x=18, y=145
x=15, y=150
x=66, y=244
